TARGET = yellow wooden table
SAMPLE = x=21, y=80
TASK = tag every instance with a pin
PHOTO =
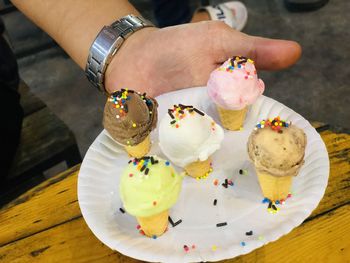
x=45, y=224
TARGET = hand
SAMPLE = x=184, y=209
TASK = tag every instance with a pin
x=161, y=60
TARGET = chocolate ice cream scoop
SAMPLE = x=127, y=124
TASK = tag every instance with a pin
x=277, y=147
x=129, y=116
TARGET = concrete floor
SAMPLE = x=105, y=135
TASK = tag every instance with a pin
x=317, y=86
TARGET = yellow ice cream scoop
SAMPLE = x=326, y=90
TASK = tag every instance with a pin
x=149, y=187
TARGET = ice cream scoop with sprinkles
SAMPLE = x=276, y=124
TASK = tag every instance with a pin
x=188, y=137
x=277, y=149
x=129, y=117
x=149, y=187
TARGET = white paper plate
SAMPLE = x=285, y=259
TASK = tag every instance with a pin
x=239, y=205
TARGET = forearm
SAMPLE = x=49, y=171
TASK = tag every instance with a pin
x=74, y=24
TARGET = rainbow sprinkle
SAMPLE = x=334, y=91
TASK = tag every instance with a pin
x=275, y=124
x=187, y=248
x=174, y=224
x=239, y=62
x=120, y=98
x=272, y=205
x=249, y=233
x=179, y=112
x=143, y=164
x=243, y=171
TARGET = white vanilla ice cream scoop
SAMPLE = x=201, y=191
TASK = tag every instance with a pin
x=187, y=135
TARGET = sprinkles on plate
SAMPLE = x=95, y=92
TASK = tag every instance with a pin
x=174, y=224
x=227, y=183
x=187, y=248
x=249, y=233
x=243, y=171
x=272, y=208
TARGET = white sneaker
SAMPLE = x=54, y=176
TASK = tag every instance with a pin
x=233, y=13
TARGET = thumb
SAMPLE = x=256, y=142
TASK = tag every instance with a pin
x=273, y=54
x=268, y=54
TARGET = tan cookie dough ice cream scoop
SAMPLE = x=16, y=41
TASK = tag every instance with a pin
x=277, y=150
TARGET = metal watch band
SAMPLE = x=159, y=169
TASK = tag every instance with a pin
x=107, y=43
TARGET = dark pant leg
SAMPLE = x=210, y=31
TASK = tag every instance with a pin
x=11, y=112
x=171, y=12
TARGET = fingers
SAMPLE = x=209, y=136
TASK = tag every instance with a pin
x=268, y=54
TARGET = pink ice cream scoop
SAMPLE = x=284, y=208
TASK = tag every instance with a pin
x=235, y=84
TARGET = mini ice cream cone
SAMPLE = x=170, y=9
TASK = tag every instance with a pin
x=274, y=187
x=277, y=151
x=188, y=137
x=140, y=149
x=129, y=117
x=154, y=225
x=232, y=119
x=199, y=168
x=234, y=85
x=148, y=188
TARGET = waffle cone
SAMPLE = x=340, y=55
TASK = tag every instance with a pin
x=232, y=119
x=140, y=149
x=154, y=225
x=199, y=168
x=274, y=187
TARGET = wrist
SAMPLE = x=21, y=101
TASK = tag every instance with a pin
x=126, y=55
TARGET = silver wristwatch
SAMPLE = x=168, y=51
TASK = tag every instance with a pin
x=107, y=43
